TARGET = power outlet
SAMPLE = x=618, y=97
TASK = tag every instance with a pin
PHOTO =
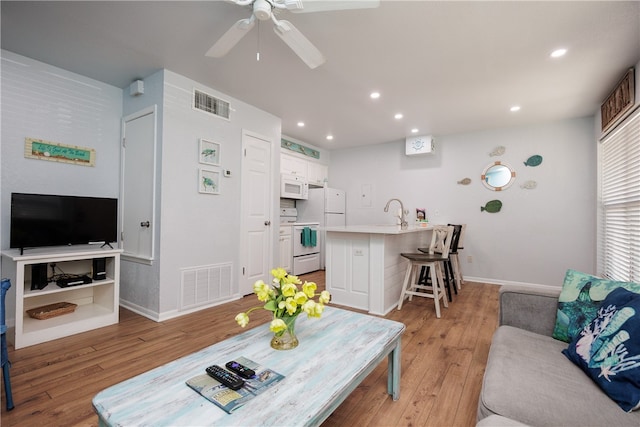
x=469, y=259
x=358, y=252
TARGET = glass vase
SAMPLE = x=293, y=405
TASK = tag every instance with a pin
x=285, y=340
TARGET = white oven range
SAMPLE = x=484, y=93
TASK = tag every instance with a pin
x=306, y=248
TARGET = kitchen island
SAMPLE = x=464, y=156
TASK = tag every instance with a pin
x=364, y=268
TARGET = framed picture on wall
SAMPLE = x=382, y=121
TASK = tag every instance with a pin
x=208, y=181
x=209, y=153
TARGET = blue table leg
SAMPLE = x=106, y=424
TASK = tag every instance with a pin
x=393, y=374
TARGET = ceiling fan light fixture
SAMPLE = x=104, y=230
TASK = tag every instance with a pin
x=262, y=10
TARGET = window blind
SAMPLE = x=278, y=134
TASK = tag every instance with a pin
x=619, y=224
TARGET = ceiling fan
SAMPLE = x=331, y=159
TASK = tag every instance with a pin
x=263, y=10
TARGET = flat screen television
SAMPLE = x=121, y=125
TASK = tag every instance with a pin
x=52, y=220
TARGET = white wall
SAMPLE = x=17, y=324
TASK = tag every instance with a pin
x=44, y=102
x=199, y=229
x=538, y=234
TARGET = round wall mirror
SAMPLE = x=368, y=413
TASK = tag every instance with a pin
x=498, y=176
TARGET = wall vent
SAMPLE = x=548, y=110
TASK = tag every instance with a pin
x=210, y=104
x=204, y=285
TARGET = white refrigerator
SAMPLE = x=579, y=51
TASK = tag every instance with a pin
x=325, y=206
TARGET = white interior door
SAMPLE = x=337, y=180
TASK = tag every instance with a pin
x=256, y=211
x=138, y=185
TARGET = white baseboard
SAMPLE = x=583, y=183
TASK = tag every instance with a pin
x=161, y=317
x=508, y=282
x=142, y=311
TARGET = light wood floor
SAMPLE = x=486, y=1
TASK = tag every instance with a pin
x=443, y=362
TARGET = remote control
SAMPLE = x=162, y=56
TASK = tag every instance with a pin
x=225, y=377
x=241, y=370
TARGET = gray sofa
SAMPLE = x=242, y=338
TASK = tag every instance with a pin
x=529, y=381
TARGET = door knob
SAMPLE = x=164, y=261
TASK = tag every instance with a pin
x=267, y=222
x=145, y=224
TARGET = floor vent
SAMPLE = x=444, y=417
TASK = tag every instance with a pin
x=204, y=285
x=210, y=104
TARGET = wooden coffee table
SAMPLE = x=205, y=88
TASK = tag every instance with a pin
x=335, y=354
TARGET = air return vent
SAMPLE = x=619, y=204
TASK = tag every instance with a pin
x=210, y=104
x=204, y=285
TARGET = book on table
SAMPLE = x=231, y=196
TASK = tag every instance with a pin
x=230, y=400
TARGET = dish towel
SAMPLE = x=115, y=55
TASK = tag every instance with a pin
x=305, y=237
x=309, y=237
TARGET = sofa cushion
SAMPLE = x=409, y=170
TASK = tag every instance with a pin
x=608, y=349
x=579, y=300
x=529, y=380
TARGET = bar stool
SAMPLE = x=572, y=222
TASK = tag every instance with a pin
x=450, y=265
x=457, y=268
x=438, y=253
x=5, y=285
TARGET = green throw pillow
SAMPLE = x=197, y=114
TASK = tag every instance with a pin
x=579, y=300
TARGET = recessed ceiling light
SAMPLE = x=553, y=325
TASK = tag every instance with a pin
x=514, y=108
x=558, y=53
x=375, y=95
x=329, y=137
x=301, y=124
x=414, y=130
x=398, y=116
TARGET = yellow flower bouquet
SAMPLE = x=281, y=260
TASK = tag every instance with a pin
x=286, y=301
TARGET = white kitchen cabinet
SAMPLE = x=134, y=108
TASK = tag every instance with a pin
x=317, y=174
x=97, y=302
x=286, y=248
x=293, y=165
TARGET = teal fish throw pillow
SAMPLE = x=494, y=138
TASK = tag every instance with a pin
x=608, y=348
x=579, y=300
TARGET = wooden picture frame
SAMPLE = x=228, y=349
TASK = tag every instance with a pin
x=208, y=181
x=621, y=100
x=56, y=152
x=209, y=152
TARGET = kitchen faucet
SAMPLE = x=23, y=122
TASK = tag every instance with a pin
x=403, y=219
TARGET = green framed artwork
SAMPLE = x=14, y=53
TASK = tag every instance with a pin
x=55, y=152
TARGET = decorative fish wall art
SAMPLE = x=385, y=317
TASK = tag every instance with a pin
x=493, y=206
x=465, y=181
x=498, y=151
x=529, y=185
x=533, y=161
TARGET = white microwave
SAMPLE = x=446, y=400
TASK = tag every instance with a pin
x=293, y=187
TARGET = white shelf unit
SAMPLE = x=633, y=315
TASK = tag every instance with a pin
x=97, y=301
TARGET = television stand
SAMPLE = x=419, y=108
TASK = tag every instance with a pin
x=97, y=302
x=106, y=244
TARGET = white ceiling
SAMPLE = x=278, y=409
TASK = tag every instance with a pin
x=449, y=67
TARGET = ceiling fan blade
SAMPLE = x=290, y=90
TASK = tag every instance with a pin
x=231, y=37
x=299, y=43
x=303, y=6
